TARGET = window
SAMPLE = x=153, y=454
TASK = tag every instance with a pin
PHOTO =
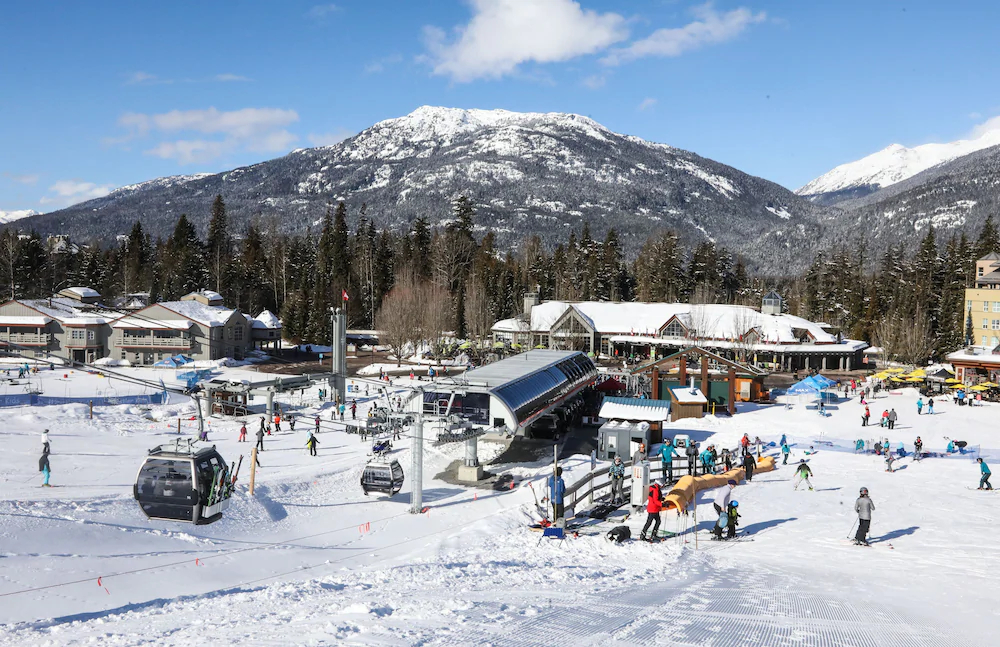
x=986, y=306
x=984, y=340
x=986, y=323
x=674, y=329
x=968, y=304
x=996, y=324
x=996, y=306
x=239, y=330
x=980, y=269
x=91, y=335
x=124, y=354
x=78, y=334
x=996, y=342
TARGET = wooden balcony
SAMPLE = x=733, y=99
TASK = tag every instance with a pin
x=26, y=339
x=154, y=342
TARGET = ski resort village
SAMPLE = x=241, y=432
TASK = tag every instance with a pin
x=499, y=323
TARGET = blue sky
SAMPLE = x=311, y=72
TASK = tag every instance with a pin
x=98, y=95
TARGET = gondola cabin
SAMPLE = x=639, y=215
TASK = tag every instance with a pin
x=177, y=484
x=382, y=476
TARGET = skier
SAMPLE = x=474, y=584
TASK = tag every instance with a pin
x=617, y=475
x=243, y=433
x=984, y=480
x=667, y=454
x=311, y=444
x=785, y=451
x=291, y=423
x=277, y=424
x=748, y=465
x=802, y=473
x=889, y=459
x=759, y=444
x=918, y=447
x=262, y=423
x=920, y=405
x=340, y=409
x=733, y=515
x=863, y=506
x=317, y=423
x=727, y=458
x=745, y=444
x=653, y=506
x=892, y=419
x=46, y=446
x=692, y=455
x=722, y=497
x=354, y=409
x=884, y=421
x=822, y=408
x=707, y=466
x=260, y=439
x=864, y=418
x=43, y=467
x=930, y=406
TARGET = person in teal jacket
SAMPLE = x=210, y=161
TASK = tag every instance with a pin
x=785, y=451
x=707, y=464
x=667, y=454
x=984, y=481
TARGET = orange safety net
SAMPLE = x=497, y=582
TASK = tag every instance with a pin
x=681, y=495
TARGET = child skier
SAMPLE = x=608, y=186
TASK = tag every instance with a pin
x=864, y=418
x=617, y=475
x=918, y=448
x=733, y=518
x=984, y=480
x=243, y=433
x=802, y=473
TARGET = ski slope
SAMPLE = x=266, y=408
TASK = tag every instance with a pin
x=311, y=561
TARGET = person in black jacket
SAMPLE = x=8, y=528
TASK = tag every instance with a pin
x=692, y=455
x=748, y=464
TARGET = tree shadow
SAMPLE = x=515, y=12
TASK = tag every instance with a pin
x=828, y=489
x=894, y=534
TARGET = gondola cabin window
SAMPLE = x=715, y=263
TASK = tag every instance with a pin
x=170, y=479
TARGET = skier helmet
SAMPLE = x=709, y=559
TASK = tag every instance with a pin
x=802, y=460
x=731, y=482
x=735, y=504
x=864, y=491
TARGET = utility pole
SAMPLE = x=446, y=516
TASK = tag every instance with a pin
x=417, y=460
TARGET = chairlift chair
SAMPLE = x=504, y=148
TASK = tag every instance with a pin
x=382, y=476
x=178, y=483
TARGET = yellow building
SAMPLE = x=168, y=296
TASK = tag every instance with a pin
x=982, y=302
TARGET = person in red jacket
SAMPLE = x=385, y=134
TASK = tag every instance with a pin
x=653, y=507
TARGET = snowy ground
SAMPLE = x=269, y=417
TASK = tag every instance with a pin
x=311, y=561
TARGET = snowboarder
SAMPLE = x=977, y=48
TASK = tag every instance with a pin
x=653, y=507
x=667, y=454
x=802, y=473
x=930, y=406
x=43, y=467
x=260, y=439
x=692, y=456
x=748, y=464
x=864, y=418
x=984, y=480
x=617, y=475
x=785, y=451
x=863, y=506
x=892, y=419
x=920, y=405
x=354, y=409
x=311, y=444
x=243, y=433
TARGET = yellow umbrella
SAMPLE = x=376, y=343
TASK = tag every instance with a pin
x=990, y=385
x=918, y=373
x=880, y=376
x=979, y=387
x=952, y=380
x=914, y=379
x=957, y=386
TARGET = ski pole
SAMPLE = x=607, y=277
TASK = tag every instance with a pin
x=852, y=528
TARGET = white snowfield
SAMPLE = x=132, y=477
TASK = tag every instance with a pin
x=311, y=561
x=896, y=163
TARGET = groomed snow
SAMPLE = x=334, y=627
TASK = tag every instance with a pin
x=311, y=561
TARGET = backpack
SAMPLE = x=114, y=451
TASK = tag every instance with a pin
x=619, y=534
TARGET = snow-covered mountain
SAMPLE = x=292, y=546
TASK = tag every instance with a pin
x=890, y=165
x=17, y=214
x=527, y=173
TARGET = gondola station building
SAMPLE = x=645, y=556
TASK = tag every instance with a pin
x=766, y=338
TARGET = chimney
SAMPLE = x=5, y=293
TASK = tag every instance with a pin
x=530, y=300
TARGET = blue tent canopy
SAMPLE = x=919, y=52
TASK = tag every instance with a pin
x=803, y=387
x=824, y=381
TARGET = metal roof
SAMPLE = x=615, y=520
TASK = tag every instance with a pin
x=515, y=367
x=640, y=409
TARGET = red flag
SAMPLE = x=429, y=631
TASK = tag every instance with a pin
x=343, y=295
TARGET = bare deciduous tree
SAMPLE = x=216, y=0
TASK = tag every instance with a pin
x=904, y=338
x=399, y=319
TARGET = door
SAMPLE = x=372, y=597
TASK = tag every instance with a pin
x=79, y=356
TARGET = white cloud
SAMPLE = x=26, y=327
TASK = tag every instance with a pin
x=28, y=178
x=226, y=78
x=136, y=78
x=505, y=33
x=646, y=104
x=329, y=139
x=595, y=81
x=710, y=27
x=322, y=10
x=975, y=115
x=66, y=192
x=990, y=125
x=249, y=129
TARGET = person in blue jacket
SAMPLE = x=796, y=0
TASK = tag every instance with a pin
x=707, y=464
x=785, y=451
x=557, y=489
x=984, y=480
x=667, y=454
